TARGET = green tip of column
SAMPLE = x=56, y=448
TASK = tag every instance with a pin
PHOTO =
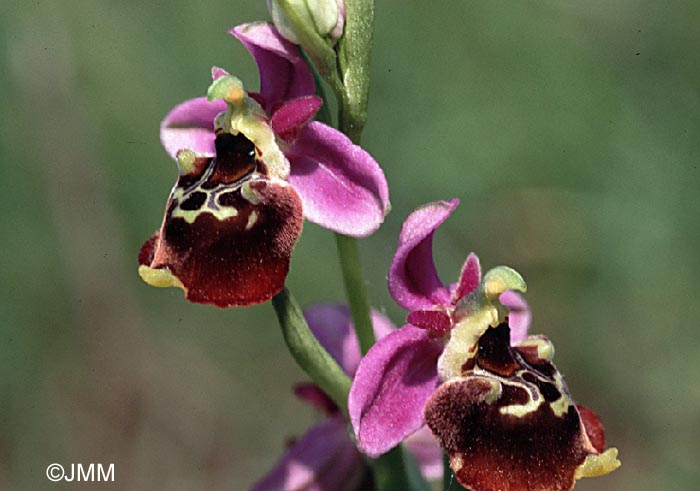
x=501, y=279
x=228, y=88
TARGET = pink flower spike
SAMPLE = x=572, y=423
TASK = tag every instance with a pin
x=190, y=125
x=413, y=280
x=284, y=74
x=392, y=384
x=341, y=186
x=519, y=315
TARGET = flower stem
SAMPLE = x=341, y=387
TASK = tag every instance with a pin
x=308, y=352
x=351, y=91
x=355, y=290
x=353, y=60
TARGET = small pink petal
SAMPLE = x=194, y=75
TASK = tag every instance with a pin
x=391, y=386
x=342, y=187
x=519, y=316
x=469, y=278
x=437, y=322
x=427, y=452
x=291, y=116
x=284, y=74
x=217, y=73
x=191, y=125
x=323, y=458
x=413, y=280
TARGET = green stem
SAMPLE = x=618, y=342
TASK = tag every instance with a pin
x=351, y=94
x=308, y=352
x=355, y=290
x=353, y=59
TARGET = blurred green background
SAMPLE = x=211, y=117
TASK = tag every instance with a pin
x=568, y=129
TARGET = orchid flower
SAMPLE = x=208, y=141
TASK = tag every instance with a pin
x=326, y=458
x=251, y=166
x=465, y=366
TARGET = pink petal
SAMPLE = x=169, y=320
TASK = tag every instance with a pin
x=284, y=74
x=322, y=459
x=191, y=125
x=291, y=116
x=413, y=281
x=332, y=326
x=437, y=322
x=469, y=278
x=519, y=316
x=342, y=187
x=391, y=386
x=427, y=452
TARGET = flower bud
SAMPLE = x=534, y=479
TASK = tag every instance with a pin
x=297, y=20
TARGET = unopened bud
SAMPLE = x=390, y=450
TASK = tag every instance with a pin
x=298, y=20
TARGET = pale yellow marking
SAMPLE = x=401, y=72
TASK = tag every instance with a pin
x=191, y=215
x=561, y=405
x=161, y=278
x=463, y=339
x=248, y=194
x=598, y=464
x=520, y=410
x=545, y=348
x=185, y=161
x=257, y=129
x=252, y=218
x=494, y=393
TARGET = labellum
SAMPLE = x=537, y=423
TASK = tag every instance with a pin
x=229, y=228
x=508, y=422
